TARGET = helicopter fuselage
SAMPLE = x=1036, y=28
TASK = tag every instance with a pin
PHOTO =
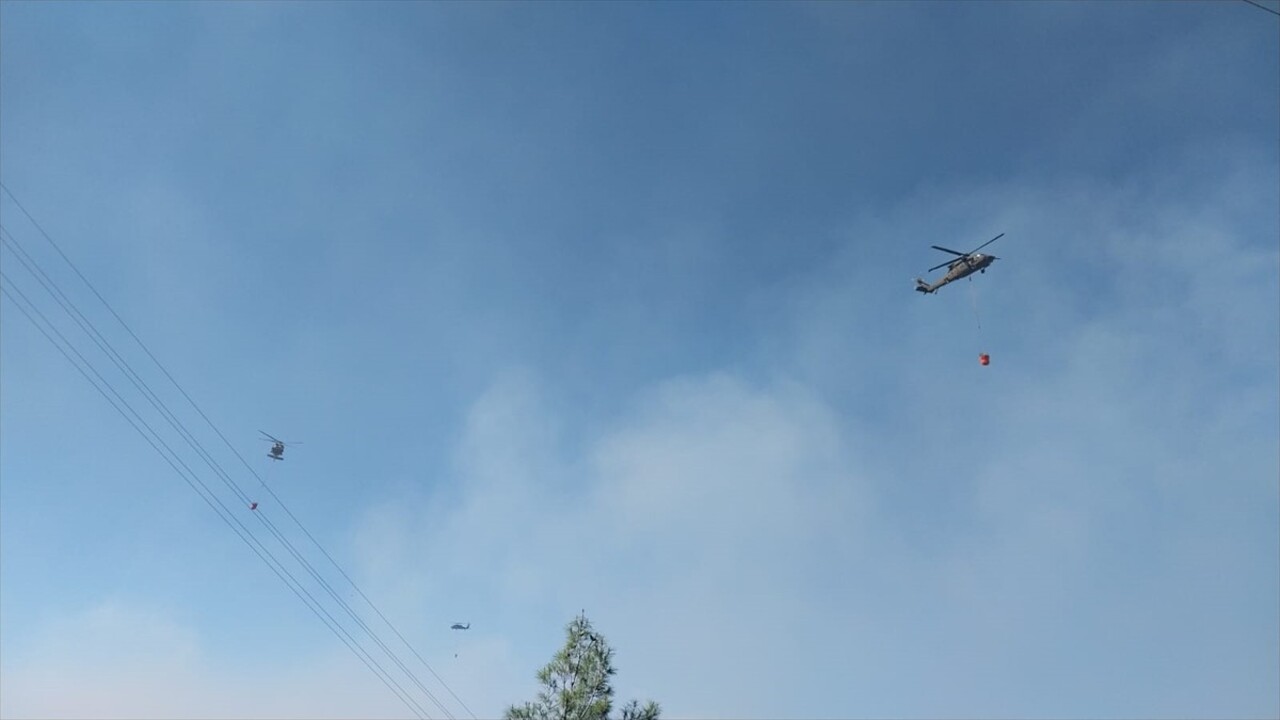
x=962, y=267
x=277, y=445
x=967, y=266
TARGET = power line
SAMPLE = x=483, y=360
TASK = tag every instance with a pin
x=69, y=307
x=105, y=346
x=10, y=289
x=171, y=457
x=88, y=327
x=227, y=442
x=1264, y=7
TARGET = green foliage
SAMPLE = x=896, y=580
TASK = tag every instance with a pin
x=576, y=682
x=633, y=711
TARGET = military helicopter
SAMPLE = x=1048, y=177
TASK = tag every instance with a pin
x=277, y=447
x=963, y=266
x=460, y=626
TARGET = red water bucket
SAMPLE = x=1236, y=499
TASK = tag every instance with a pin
x=984, y=359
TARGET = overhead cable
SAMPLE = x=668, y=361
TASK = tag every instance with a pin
x=236, y=489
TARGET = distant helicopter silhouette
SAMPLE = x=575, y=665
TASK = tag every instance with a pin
x=277, y=447
x=459, y=626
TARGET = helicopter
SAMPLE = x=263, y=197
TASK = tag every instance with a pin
x=458, y=642
x=963, y=266
x=277, y=447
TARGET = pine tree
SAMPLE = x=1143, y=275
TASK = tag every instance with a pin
x=576, y=683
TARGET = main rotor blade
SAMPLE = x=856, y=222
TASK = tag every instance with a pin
x=988, y=242
x=953, y=252
x=935, y=267
x=270, y=436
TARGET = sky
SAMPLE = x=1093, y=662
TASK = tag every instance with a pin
x=607, y=309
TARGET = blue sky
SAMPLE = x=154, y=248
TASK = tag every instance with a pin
x=608, y=307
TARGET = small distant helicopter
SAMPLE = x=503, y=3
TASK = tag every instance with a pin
x=458, y=642
x=277, y=447
x=963, y=266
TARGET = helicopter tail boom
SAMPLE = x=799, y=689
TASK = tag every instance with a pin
x=924, y=287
